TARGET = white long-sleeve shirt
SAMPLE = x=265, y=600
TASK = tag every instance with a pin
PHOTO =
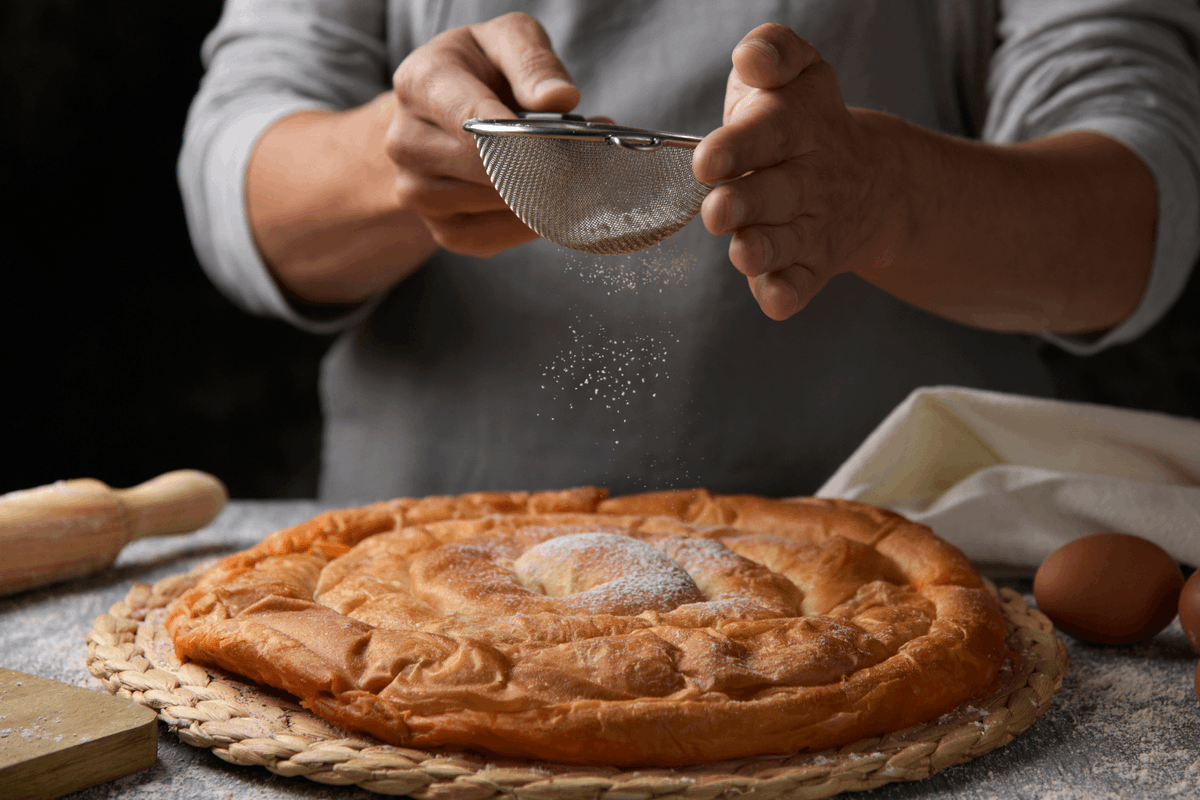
x=541, y=367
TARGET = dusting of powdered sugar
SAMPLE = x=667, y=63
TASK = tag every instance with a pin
x=632, y=576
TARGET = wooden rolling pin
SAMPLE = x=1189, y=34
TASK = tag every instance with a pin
x=72, y=528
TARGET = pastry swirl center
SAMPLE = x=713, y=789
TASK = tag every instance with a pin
x=607, y=573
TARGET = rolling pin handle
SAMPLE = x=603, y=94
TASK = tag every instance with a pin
x=176, y=502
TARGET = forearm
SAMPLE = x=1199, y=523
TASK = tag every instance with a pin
x=324, y=209
x=1049, y=235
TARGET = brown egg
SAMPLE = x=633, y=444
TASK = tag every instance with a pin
x=1111, y=588
x=1189, y=613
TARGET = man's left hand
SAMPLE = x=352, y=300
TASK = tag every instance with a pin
x=801, y=199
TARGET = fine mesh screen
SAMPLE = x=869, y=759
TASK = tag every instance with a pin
x=594, y=196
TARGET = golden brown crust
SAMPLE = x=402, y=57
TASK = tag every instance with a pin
x=658, y=629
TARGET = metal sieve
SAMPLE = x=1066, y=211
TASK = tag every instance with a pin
x=591, y=186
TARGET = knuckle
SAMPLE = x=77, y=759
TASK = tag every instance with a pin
x=723, y=205
x=538, y=62
x=773, y=250
x=393, y=140
x=412, y=75
x=798, y=232
x=794, y=185
x=782, y=129
x=457, y=113
x=397, y=142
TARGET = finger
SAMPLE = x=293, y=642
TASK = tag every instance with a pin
x=449, y=81
x=519, y=46
x=768, y=197
x=776, y=248
x=770, y=248
x=481, y=234
x=769, y=127
x=419, y=146
x=783, y=293
x=771, y=56
x=776, y=297
x=443, y=198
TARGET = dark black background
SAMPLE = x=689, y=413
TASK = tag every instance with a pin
x=121, y=361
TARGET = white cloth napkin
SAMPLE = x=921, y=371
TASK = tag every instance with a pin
x=1009, y=479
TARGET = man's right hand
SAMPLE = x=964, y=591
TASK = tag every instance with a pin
x=484, y=71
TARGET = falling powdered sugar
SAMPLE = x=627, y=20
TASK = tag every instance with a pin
x=610, y=372
x=657, y=266
x=615, y=386
x=612, y=377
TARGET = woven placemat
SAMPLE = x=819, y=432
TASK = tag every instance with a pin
x=129, y=650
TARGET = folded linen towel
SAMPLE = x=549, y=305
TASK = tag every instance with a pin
x=1009, y=479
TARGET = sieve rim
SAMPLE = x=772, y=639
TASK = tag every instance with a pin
x=577, y=129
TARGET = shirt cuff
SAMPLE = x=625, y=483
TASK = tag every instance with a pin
x=236, y=265
x=1177, y=232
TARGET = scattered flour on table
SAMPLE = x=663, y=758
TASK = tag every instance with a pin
x=1136, y=723
x=1125, y=726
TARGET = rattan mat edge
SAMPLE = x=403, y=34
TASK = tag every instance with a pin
x=130, y=652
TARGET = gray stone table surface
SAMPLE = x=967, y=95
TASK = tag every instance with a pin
x=1126, y=723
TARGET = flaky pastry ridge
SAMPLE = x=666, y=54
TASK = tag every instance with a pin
x=659, y=629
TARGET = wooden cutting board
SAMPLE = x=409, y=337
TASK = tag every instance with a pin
x=56, y=738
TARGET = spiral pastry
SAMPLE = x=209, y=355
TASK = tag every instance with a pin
x=659, y=629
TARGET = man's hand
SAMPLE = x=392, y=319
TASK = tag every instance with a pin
x=344, y=204
x=483, y=71
x=1053, y=234
x=803, y=208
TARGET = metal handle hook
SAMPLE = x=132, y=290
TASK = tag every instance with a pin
x=645, y=146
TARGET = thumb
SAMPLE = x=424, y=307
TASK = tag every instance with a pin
x=771, y=56
x=520, y=48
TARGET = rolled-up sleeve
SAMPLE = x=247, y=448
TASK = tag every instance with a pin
x=265, y=60
x=1126, y=69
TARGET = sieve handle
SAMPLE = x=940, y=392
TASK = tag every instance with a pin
x=550, y=115
x=642, y=144
x=649, y=144
x=573, y=126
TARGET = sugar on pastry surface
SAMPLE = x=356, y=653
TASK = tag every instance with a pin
x=662, y=629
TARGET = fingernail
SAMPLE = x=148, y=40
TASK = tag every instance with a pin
x=774, y=291
x=550, y=84
x=766, y=49
x=792, y=298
